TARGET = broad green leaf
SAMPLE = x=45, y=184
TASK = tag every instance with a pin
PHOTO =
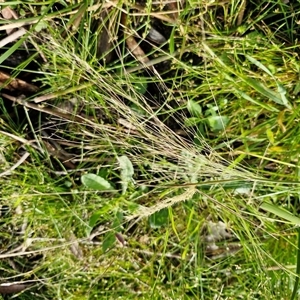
x=127, y=172
x=95, y=182
x=118, y=221
x=40, y=26
x=68, y=183
x=159, y=218
x=191, y=121
x=217, y=123
x=109, y=241
x=284, y=214
x=194, y=108
x=138, y=84
x=132, y=207
x=94, y=218
x=141, y=87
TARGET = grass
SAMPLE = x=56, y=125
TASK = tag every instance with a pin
x=181, y=151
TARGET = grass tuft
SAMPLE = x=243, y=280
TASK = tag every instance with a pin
x=149, y=165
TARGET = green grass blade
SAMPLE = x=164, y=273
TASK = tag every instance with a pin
x=250, y=99
x=281, y=213
x=259, y=64
x=296, y=284
x=262, y=89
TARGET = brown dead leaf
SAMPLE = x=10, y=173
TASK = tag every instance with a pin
x=132, y=44
x=12, y=37
x=15, y=84
x=120, y=239
x=8, y=14
x=242, y=12
x=160, y=15
x=74, y=23
x=173, y=7
x=136, y=50
x=75, y=248
x=12, y=288
x=105, y=45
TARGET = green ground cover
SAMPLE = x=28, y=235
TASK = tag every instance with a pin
x=159, y=154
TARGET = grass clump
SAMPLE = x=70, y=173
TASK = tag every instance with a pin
x=147, y=161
